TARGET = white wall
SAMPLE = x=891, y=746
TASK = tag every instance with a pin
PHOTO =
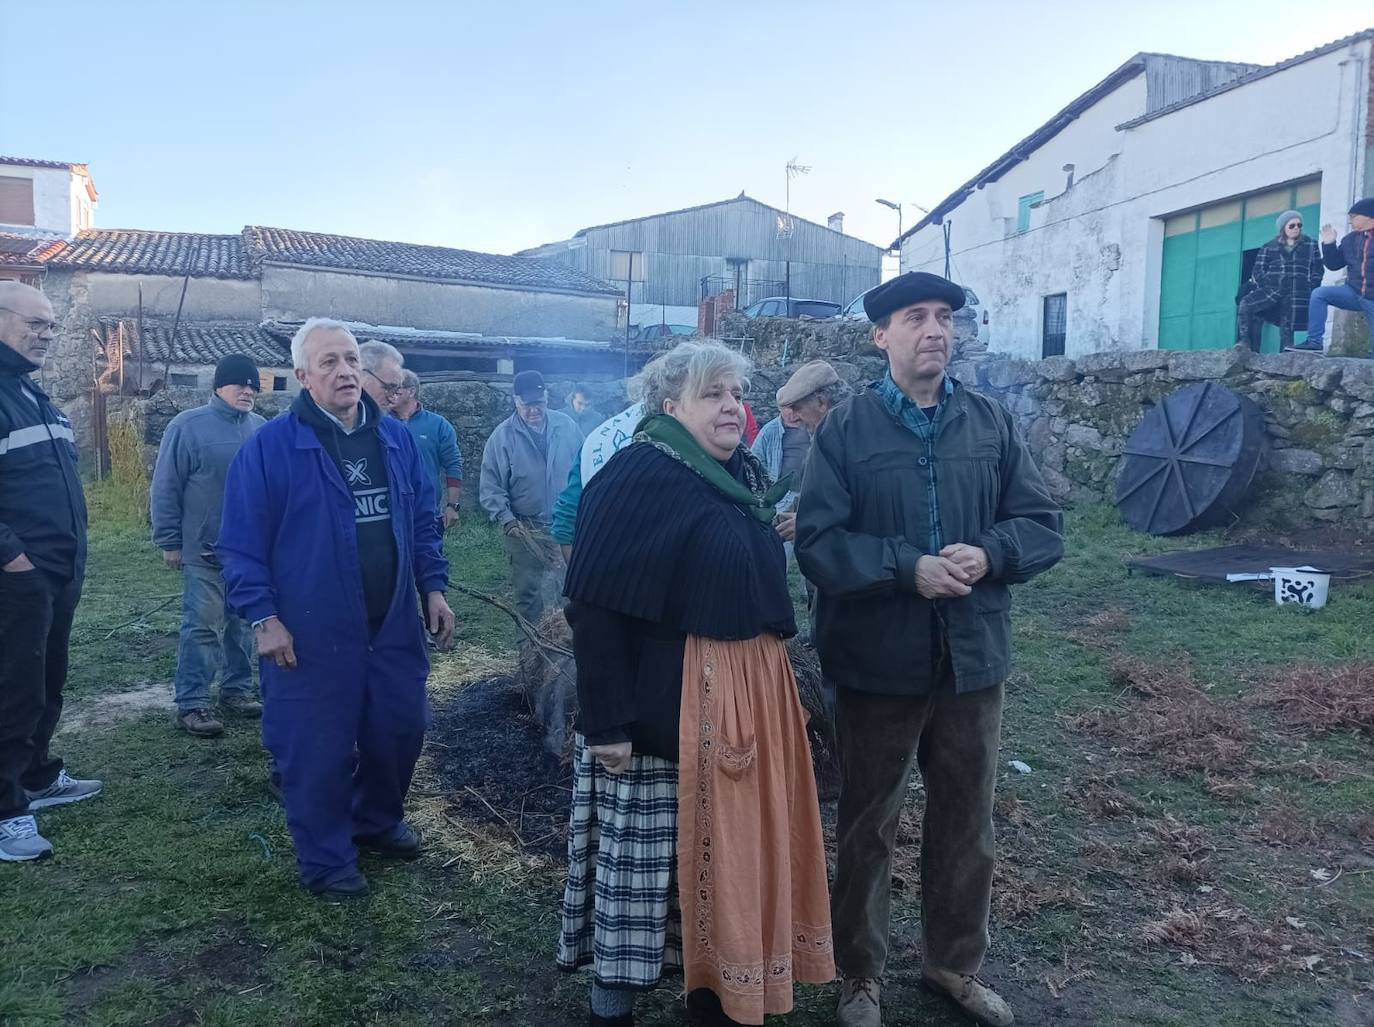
x=207, y=299
x=56, y=208
x=1100, y=242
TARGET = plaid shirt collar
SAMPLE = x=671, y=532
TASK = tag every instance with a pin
x=910, y=416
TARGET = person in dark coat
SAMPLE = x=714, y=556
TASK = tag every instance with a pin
x=1286, y=270
x=329, y=545
x=695, y=839
x=1355, y=255
x=42, y=566
x=920, y=506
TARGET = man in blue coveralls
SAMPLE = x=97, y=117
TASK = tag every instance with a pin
x=329, y=543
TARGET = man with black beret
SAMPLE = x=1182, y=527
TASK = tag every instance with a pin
x=920, y=506
x=1356, y=254
x=187, y=499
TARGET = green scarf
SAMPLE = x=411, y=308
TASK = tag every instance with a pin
x=756, y=494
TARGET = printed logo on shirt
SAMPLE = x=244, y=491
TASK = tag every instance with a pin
x=356, y=472
x=371, y=505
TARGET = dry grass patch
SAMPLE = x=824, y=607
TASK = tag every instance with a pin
x=1323, y=700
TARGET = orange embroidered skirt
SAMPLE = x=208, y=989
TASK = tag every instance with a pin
x=750, y=859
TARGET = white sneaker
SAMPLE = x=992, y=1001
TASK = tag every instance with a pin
x=62, y=791
x=20, y=840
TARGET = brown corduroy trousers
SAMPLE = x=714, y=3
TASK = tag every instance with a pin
x=953, y=740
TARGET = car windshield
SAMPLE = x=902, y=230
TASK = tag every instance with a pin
x=814, y=308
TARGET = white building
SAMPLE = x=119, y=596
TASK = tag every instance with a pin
x=1129, y=219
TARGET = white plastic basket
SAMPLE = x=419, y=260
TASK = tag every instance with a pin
x=1300, y=586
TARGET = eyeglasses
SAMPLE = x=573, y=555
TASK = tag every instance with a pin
x=37, y=325
x=387, y=387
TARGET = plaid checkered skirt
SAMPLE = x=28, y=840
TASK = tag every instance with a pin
x=620, y=906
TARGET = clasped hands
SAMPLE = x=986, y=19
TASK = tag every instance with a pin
x=952, y=572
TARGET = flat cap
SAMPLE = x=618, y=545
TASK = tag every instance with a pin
x=808, y=378
x=912, y=287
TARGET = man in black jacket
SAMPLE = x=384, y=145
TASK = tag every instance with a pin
x=920, y=506
x=1354, y=254
x=42, y=562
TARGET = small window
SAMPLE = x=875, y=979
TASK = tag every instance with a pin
x=1023, y=209
x=279, y=383
x=16, y=200
x=627, y=266
x=1055, y=325
x=185, y=381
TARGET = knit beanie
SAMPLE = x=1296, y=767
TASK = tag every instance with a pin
x=237, y=369
x=1364, y=207
x=1285, y=217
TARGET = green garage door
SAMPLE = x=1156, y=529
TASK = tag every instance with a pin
x=1205, y=253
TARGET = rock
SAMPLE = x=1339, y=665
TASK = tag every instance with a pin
x=1019, y=767
x=1325, y=376
x=1285, y=365
x=1367, y=506
x=1296, y=461
x=1116, y=365
x=1058, y=369
x=1357, y=379
x=1084, y=437
x=1204, y=364
x=1006, y=374
x=1060, y=487
x=1335, y=490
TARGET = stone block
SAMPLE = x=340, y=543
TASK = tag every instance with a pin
x=1357, y=379
x=1006, y=374
x=1060, y=487
x=1204, y=364
x=1058, y=369
x=1296, y=461
x=1324, y=375
x=1335, y=490
x=1367, y=505
x=1285, y=365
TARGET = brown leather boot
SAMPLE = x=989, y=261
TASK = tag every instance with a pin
x=971, y=995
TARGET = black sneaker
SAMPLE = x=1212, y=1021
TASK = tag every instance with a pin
x=1304, y=348
x=352, y=887
x=199, y=724
x=401, y=843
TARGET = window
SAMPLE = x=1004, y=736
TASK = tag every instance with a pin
x=185, y=381
x=279, y=383
x=1055, y=325
x=1023, y=210
x=627, y=266
x=16, y=200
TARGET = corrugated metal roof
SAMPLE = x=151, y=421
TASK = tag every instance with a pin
x=1253, y=76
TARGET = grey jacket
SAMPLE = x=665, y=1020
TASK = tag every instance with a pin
x=188, y=482
x=517, y=479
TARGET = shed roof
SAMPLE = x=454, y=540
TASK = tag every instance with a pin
x=404, y=337
x=131, y=251
x=203, y=342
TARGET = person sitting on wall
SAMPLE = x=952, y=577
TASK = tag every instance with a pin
x=1286, y=271
x=1356, y=254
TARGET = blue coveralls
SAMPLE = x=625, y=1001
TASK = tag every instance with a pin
x=345, y=726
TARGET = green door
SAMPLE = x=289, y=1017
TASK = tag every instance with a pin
x=1202, y=261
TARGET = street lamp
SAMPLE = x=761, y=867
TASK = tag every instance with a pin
x=898, y=208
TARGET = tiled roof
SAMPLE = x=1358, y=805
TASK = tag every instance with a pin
x=432, y=339
x=1236, y=83
x=22, y=250
x=130, y=251
x=203, y=342
x=317, y=249
x=29, y=162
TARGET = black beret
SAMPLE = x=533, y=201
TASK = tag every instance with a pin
x=1364, y=207
x=912, y=287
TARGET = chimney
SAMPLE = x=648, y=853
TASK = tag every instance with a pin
x=835, y=221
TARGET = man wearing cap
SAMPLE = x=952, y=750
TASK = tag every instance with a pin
x=921, y=506
x=524, y=467
x=187, y=498
x=812, y=392
x=1355, y=253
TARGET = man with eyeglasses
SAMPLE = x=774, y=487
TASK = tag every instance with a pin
x=42, y=564
x=383, y=368
x=187, y=499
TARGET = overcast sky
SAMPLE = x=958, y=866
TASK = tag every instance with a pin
x=497, y=126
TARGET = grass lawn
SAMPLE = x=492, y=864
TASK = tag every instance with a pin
x=1194, y=844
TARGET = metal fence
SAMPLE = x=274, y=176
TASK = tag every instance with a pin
x=747, y=290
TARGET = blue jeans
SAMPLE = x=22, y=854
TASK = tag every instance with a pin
x=1343, y=297
x=213, y=640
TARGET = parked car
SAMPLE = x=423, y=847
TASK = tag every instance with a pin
x=648, y=333
x=777, y=306
x=966, y=318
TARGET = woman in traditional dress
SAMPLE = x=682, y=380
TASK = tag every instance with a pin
x=695, y=839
